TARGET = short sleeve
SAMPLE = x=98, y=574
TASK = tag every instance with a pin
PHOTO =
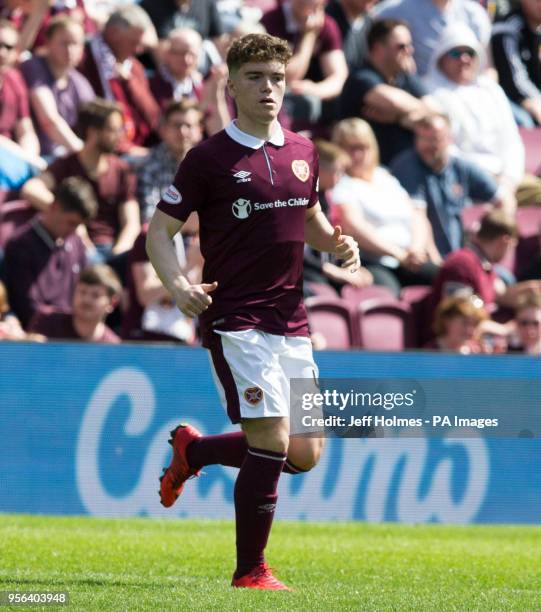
x=482, y=187
x=129, y=184
x=331, y=38
x=35, y=73
x=188, y=191
x=357, y=86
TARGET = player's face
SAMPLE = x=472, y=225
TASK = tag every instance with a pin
x=529, y=326
x=460, y=65
x=258, y=90
x=182, y=131
x=91, y=302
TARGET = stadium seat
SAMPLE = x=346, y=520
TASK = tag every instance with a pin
x=385, y=325
x=414, y=293
x=529, y=221
x=334, y=320
x=12, y=216
x=354, y=295
x=321, y=290
x=471, y=216
x=532, y=145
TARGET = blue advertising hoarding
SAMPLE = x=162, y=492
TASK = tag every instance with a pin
x=84, y=430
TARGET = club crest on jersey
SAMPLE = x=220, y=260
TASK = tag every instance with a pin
x=172, y=195
x=243, y=176
x=242, y=208
x=300, y=169
x=253, y=395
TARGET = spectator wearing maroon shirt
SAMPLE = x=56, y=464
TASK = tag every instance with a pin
x=57, y=90
x=96, y=295
x=472, y=267
x=254, y=187
x=109, y=63
x=15, y=122
x=117, y=223
x=45, y=257
x=151, y=313
x=318, y=69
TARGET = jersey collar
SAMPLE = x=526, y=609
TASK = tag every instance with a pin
x=247, y=140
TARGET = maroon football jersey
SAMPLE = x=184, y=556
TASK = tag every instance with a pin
x=251, y=197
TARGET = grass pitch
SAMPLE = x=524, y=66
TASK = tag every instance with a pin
x=146, y=564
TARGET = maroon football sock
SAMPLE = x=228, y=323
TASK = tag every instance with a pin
x=225, y=449
x=255, y=501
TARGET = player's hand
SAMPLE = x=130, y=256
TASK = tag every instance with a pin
x=346, y=249
x=195, y=299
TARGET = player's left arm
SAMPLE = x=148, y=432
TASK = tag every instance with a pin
x=320, y=235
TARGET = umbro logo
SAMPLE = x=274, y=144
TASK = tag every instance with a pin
x=243, y=176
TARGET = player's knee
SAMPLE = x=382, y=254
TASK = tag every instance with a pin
x=307, y=457
x=267, y=433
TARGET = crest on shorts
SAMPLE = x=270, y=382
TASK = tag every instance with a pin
x=253, y=395
x=300, y=169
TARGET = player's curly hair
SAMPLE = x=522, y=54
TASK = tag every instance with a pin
x=257, y=48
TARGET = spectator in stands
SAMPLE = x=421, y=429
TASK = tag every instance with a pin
x=15, y=122
x=472, y=267
x=45, y=257
x=117, y=222
x=56, y=88
x=318, y=70
x=393, y=234
x=96, y=295
x=441, y=181
x=528, y=325
x=515, y=50
x=320, y=267
x=115, y=74
x=151, y=314
x=10, y=326
x=177, y=77
x=428, y=18
x=32, y=17
x=353, y=17
x=483, y=125
x=199, y=15
x=385, y=91
x=457, y=325
x=181, y=129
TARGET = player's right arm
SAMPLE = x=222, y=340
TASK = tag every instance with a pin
x=192, y=300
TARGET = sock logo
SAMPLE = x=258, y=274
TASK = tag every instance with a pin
x=266, y=508
x=253, y=395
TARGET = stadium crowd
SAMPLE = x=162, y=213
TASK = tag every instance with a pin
x=426, y=117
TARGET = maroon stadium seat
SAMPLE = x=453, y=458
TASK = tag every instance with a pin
x=471, y=216
x=334, y=320
x=529, y=221
x=321, y=290
x=354, y=295
x=385, y=325
x=12, y=216
x=532, y=145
